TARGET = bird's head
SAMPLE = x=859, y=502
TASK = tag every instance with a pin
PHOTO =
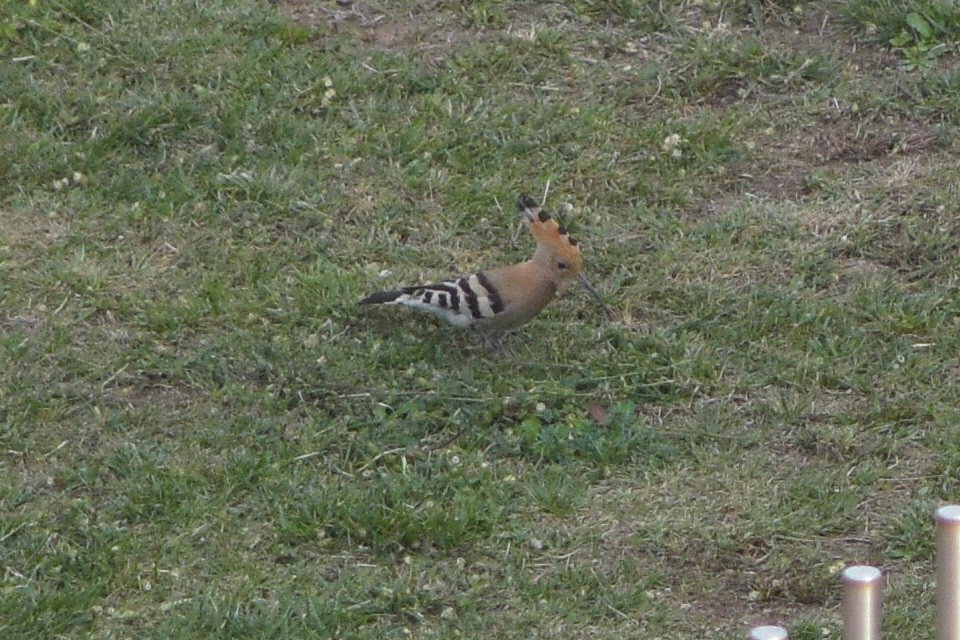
x=557, y=252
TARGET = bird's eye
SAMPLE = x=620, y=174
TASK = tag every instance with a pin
x=563, y=266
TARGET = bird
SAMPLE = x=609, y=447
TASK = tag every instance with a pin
x=498, y=300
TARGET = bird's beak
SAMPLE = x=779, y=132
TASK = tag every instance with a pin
x=582, y=279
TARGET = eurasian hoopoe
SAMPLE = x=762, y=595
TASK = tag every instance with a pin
x=501, y=299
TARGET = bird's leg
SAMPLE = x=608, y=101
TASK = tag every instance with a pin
x=494, y=342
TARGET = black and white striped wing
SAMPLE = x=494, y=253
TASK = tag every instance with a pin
x=463, y=302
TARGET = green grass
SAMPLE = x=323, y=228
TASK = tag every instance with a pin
x=922, y=31
x=201, y=435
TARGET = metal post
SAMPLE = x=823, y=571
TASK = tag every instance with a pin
x=862, y=602
x=768, y=633
x=948, y=573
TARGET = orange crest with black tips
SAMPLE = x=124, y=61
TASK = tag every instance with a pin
x=551, y=234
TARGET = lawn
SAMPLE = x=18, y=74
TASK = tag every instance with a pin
x=202, y=435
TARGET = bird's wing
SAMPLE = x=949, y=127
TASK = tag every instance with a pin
x=462, y=302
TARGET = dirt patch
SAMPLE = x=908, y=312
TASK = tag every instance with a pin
x=863, y=269
x=31, y=230
x=416, y=30
x=317, y=14
x=146, y=390
x=798, y=163
x=834, y=134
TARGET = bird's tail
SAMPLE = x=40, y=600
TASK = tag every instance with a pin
x=382, y=297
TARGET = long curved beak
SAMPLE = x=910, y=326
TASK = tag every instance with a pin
x=582, y=279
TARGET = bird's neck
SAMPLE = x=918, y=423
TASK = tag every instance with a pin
x=536, y=270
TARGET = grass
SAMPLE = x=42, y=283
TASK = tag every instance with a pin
x=202, y=436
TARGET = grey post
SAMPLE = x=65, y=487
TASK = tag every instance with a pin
x=768, y=633
x=862, y=603
x=948, y=572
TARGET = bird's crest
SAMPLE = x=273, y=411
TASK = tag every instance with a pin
x=547, y=230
